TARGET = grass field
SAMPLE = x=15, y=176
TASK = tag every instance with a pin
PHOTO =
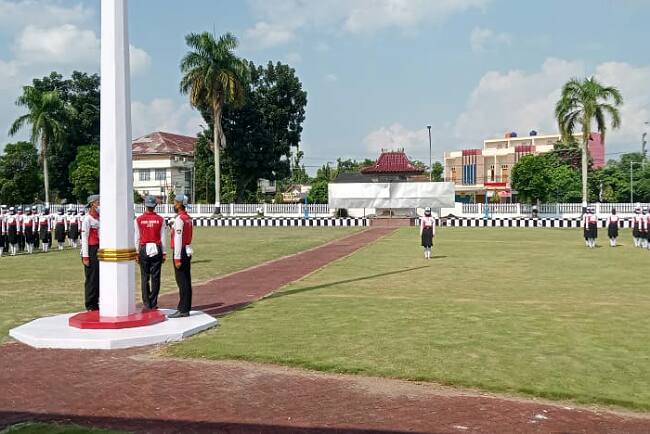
x=520, y=311
x=44, y=284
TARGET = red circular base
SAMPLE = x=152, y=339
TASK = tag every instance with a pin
x=92, y=320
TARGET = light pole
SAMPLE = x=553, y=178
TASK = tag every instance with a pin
x=430, y=164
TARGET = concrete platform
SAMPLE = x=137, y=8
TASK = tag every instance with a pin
x=54, y=332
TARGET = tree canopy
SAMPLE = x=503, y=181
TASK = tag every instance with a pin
x=20, y=179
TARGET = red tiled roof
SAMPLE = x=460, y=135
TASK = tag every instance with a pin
x=160, y=143
x=393, y=162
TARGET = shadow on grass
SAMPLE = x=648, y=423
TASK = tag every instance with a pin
x=357, y=279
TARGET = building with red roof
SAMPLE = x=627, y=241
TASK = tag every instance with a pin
x=391, y=166
x=163, y=163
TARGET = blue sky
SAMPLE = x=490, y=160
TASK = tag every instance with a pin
x=376, y=71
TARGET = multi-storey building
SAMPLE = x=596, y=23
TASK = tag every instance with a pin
x=163, y=163
x=476, y=171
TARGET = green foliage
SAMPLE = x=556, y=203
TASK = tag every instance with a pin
x=318, y=192
x=137, y=197
x=84, y=171
x=437, y=171
x=545, y=178
x=19, y=174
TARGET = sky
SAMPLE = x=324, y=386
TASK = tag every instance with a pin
x=376, y=72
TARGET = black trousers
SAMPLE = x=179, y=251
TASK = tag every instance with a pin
x=91, y=286
x=150, y=277
x=184, y=282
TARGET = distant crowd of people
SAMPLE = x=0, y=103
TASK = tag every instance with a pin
x=640, y=227
x=23, y=229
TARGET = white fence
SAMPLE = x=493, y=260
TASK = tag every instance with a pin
x=556, y=210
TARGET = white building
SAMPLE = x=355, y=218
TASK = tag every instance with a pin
x=163, y=163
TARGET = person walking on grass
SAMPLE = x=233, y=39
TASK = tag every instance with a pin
x=612, y=228
x=592, y=227
x=427, y=232
x=150, y=242
x=181, y=243
x=89, y=248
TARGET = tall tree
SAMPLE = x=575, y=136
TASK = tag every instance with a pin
x=19, y=174
x=84, y=171
x=46, y=112
x=582, y=102
x=213, y=76
x=81, y=93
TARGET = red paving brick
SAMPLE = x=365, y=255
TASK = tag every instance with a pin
x=137, y=391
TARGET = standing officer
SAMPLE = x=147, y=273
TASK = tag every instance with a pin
x=21, y=235
x=181, y=241
x=28, y=230
x=11, y=225
x=3, y=232
x=89, y=247
x=150, y=242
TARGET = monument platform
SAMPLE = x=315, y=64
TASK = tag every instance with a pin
x=55, y=332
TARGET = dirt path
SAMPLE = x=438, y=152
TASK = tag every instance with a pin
x=134, y=390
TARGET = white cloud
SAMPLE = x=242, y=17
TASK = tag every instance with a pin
x=483, y=40
x=17, y=14
x=65, y=44
x=280, y=20
x=396, y=136
x=164, y=114
x=331, y=78
x=293, y=58
x=322, y=47
x=520, y=101
x=139, y=60
x=265, y=35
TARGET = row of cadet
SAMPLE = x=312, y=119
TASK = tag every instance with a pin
x=26, y=229
x=640, y=224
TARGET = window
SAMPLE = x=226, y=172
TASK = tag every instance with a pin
x=492, y=173
x=188, y=177
x=454, y=175
x=504, y=173
x=145, y=174
x=161, y=174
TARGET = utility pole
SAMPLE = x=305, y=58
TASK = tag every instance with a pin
x=430, y=163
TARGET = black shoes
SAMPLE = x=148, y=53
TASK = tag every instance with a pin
x=178, y=314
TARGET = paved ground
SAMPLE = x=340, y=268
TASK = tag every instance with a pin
x=135, y=390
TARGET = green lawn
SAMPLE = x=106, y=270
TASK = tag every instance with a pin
x=44, y=284
x=523, y=311
x=51, y=428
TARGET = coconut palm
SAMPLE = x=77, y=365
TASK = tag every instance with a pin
x=213, y=76
x=582, y=103
x=45, y=111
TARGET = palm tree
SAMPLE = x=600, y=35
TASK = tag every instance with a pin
x=45, y=111
x=582, y=102
x=213, y=76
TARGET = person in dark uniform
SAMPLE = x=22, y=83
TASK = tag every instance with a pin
x=151, y=245
x=181, y=240
x=3, y=229
x=45, y=229
x=89, y=247
x=592, y=227
x=644, y=228
x=427, y=232
x=21, y=234
x=11, y=224
x=28, y=230
x=637, y=222
x=60, y=228
x=73, y=227
x=612, y=228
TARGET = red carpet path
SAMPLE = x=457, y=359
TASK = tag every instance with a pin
x=137, y=391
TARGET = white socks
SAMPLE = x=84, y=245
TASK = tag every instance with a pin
x=427, y=253
x=612, y=242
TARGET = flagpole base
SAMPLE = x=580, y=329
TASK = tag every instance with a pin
x=92, y=320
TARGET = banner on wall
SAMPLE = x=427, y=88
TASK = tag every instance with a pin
x=392, y=195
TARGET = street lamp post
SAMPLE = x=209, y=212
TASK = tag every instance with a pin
x=430, y=163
